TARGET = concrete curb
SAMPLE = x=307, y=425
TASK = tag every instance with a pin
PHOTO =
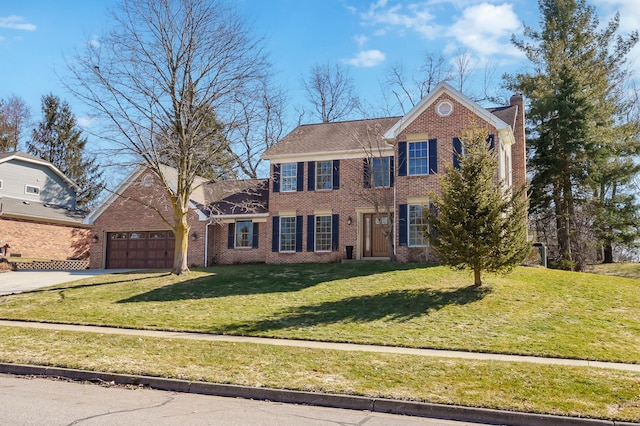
x=380, y=405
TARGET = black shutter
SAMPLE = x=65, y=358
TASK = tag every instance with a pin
x=300, y=177
x=336, y=174
x=275, y=234
x=402, y=158
x=457, y=152
x=256, y=234
x=231, y=235
x=402, y=224
x=391, y=171
x=310, y=233
x=433, y=156
x=276, y=178
x=335, y=232
x=299, y=232
x=366, y=172
x=311, y=183
x=491, y=141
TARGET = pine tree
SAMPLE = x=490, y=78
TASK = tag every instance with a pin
x=477, y=224
x=574, y=98
x=58, y=139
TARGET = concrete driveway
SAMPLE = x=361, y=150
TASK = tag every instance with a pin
x=19, y=281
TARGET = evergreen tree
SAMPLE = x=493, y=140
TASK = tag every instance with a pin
x=574, y=98
x=58, y=140
x=477, y=224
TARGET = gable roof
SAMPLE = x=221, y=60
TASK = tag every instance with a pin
x=22, y=156
x=350, y=138
x=503, y=128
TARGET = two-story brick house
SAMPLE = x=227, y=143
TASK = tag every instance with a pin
x=336, y=190
x=339, y=185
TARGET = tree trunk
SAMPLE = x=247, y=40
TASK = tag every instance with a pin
x=181, y=232
x=477, y=282
x=608, y=253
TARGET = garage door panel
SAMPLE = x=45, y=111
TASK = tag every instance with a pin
x=140, y=249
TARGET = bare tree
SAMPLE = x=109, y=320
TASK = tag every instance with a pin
x=155, y=80
x=14, y=117
x=464, y=66
x=331, y=91
x=408, y=91
x=259, y=124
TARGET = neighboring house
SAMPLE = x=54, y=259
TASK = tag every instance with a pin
x=319, y=204
x=38, y=214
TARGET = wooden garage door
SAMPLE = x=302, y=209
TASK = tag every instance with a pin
x=140, y=250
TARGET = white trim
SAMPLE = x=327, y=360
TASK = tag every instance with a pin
x=115, y=194
x=231, y=218
x=35, y=192
x=329, y=155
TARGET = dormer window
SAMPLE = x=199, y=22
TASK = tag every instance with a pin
x=31, y=190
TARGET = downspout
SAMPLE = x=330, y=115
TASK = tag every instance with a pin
x=206, y=244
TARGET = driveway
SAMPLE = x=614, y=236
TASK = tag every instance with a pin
x=19, y=281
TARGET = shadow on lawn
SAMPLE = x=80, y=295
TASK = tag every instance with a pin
x=263, y=279
x=392, y=306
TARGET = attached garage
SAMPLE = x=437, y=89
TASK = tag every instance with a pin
x=140, y=250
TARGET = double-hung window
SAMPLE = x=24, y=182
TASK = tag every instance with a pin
x=324, y=175
x=288, y=234
x=244, y=234
x=323, y=233
x=381, y=172
x=289, y=177
x=418, y=158
x=417, y=225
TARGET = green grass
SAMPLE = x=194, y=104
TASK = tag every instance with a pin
x=533, y=311
x=624, y=269
x=572, y=391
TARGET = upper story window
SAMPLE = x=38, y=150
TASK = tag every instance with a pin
x=418, y=158
x=244, y=234
x=32, y=190
x=324, y=175
x=289, y=177
x=381, y=172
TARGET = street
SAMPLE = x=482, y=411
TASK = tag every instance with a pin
x=37, y=401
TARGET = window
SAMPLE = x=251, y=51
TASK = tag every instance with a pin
x=323, y=233
x=381, y=172
x=324, y=175
x=417, y=226
x=288, y=234
x=244, y=233
x=418, y=158
x=33, y=190
x=289, y=177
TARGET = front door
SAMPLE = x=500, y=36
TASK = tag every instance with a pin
x=374, y=241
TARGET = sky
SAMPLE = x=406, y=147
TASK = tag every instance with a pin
x=365, y=36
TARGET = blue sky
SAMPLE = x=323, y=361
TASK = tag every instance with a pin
x=364, y=35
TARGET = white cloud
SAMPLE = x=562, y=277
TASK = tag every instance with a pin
x=94, y=42
x=361, y=40
x=486, y=29
x=415, y=17
x=367, y=58
x=14, y=22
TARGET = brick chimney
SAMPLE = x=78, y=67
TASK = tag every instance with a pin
x=518, y=149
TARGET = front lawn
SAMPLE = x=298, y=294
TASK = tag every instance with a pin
x=533, y=311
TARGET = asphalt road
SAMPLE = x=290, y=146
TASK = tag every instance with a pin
x=37, y=401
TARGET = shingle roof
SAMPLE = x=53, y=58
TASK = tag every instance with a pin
x=11, y=207
x=247, y=197
x=332, y=137
x=507, y=114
